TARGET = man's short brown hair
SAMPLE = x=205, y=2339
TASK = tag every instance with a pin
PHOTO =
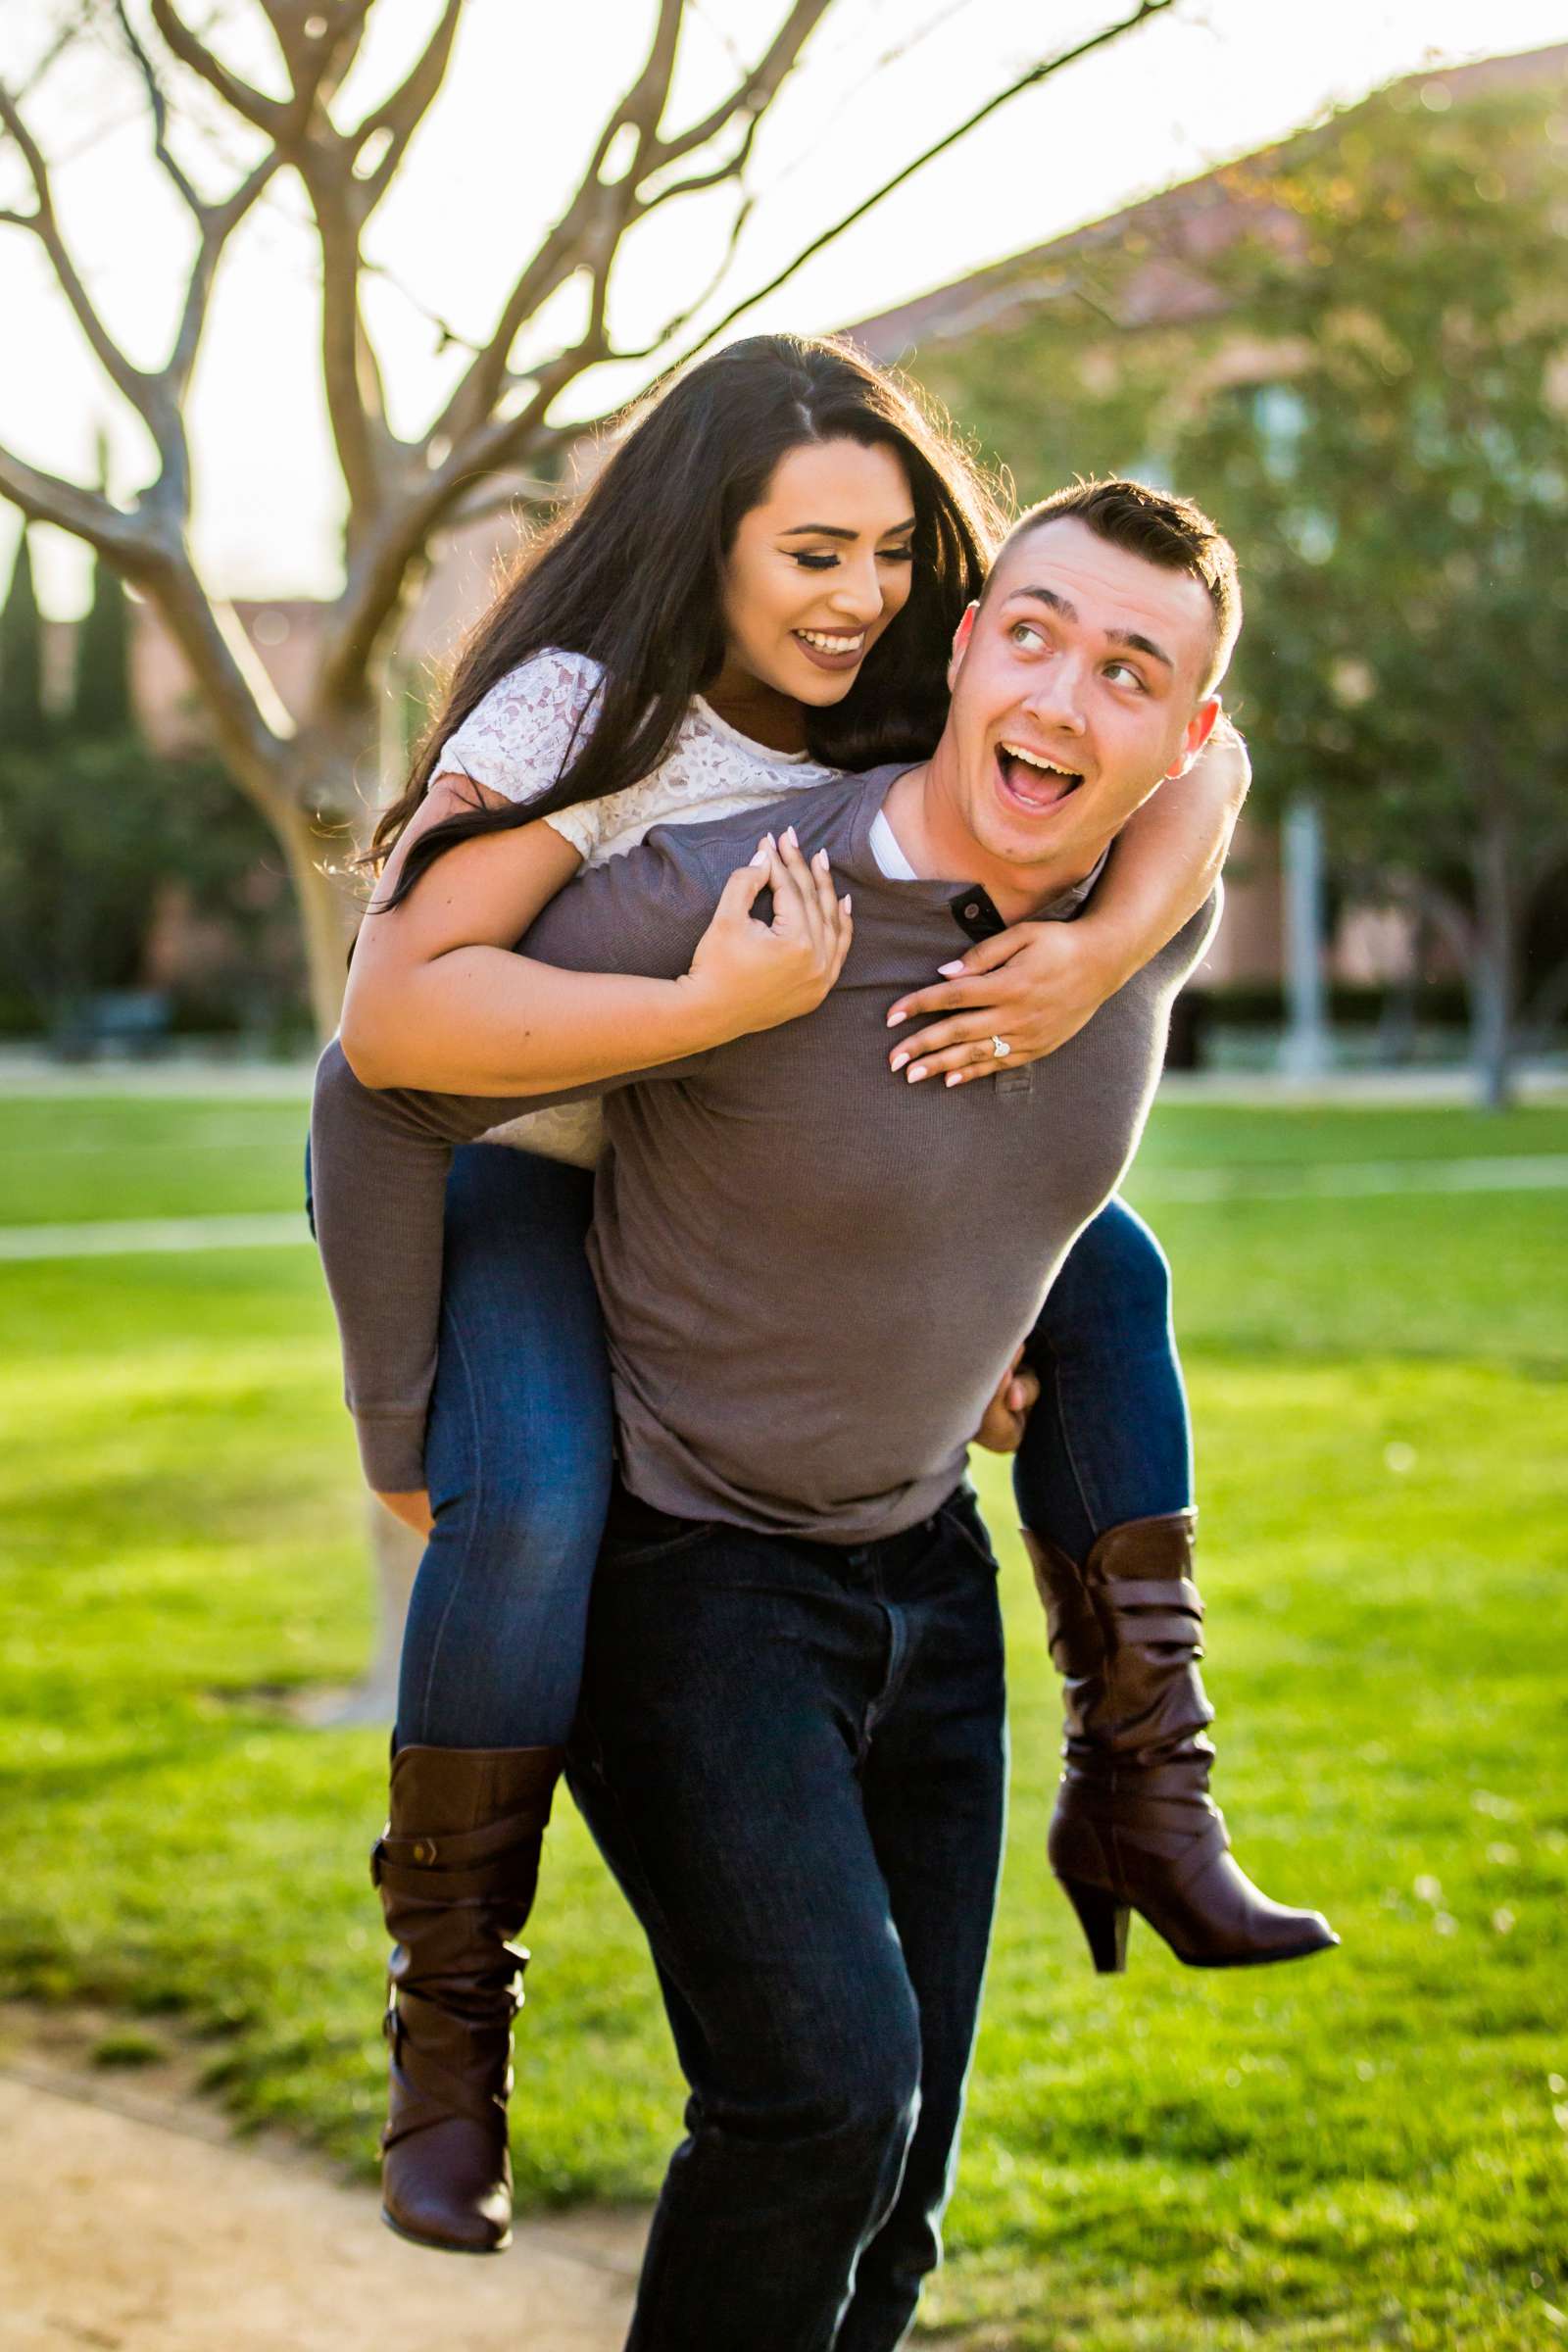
x=1172, y=532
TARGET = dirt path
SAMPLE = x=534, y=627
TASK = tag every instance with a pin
x=130, y=2220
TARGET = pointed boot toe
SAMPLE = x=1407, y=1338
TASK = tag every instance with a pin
x=1226, y=1922
x=1135, y=1828
x=447, y=2188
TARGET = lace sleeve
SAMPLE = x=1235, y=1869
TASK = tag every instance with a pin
x=525, y=732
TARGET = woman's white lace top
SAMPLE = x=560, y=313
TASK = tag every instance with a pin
x=517, y=742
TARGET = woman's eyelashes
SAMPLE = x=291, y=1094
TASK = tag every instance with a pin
x=814, y=563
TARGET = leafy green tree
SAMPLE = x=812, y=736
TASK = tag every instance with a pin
x=101, y=700
x=94, y=828
x=1366, y=380
x=24, y=721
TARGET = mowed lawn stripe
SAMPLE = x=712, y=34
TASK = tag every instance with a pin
x=1544, y=1171
x=135, y=1237
x=140, y=1237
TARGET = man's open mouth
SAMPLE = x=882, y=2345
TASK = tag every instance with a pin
x=1032, y=780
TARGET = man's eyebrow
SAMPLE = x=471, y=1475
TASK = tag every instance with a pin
x=834, y=531
x=1136, y=644
x=1047, y=596
x=1132, y=639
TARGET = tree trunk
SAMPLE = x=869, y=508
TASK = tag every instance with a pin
x=327, y=893
x=334, y=776
x=332, y=791
x=1492, y=979
x=1306, y=1049
x=395, y=1553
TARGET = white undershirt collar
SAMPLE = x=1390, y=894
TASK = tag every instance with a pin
x=891, y=863
x=883, y=844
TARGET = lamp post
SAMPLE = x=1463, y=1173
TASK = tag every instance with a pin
x=1306, y=1049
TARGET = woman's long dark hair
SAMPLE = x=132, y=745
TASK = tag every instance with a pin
x=631, y=572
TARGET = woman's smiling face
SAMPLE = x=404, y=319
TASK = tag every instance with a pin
x=819, y=569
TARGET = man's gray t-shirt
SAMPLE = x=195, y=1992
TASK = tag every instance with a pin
x=812, y=1273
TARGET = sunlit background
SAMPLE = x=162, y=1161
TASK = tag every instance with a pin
x=1306, y=262
x=881, y=82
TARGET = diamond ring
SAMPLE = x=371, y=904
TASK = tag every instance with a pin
x=1000, y=1048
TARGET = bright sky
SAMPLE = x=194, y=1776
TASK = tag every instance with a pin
x=500, y=152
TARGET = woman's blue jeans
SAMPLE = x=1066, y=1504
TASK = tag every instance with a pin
x=520, y=1441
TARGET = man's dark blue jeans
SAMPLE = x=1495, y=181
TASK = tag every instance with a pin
x=793, y=1757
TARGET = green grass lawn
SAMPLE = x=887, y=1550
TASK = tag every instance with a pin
x=1367, y=2149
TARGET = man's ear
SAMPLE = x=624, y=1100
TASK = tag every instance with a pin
x=960, y=643
x=1199, y=727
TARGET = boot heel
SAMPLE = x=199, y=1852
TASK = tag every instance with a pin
x=1105, y=1922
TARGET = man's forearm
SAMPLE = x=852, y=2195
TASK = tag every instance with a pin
x=1166, y=862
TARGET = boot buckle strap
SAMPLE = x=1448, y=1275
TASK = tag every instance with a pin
x=1152, y=1593
x=460, y=1849
x=1148, y=1627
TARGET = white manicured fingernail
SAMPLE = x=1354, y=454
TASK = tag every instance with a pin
x=948, y=970
x=895, y=1018
x=918, y=1073
x=759, y=858
x=845, y=902
x=898, y=1061
x=954, y=1078
x=788, y=838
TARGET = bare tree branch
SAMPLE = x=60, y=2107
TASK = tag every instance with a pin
x=160, y=108
x=253, y=106
x=128, y=541
x=502, y=496
x=249, y=721
x=252, y=725
x=127, y=379
x=318, y=44
x=1025, y=81
x=756, y=93
x=356, y=401
x=316, y=50
x=68, y=34
x=378, y=581
x=157, y=395
x=401, y=113
x=731, y=169
x=579, y=237
x=218, y=223
x=675, y=326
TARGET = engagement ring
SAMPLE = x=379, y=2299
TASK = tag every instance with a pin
x=1001, y=1047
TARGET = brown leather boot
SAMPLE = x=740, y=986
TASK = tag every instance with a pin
x=456, y=1867
x=1135, y=1828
